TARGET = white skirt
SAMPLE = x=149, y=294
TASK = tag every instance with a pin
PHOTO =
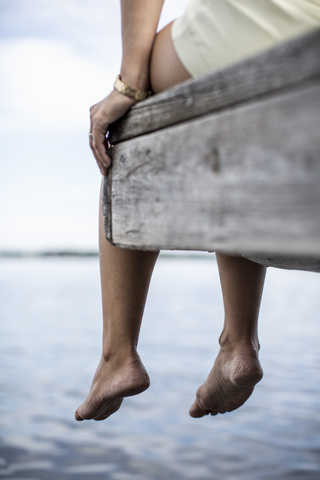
x=215, y=33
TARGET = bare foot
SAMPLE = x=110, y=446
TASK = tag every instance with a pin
x=229, y=384
x=112, y=382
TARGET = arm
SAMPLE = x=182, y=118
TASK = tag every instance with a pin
x=139, y=24
x=139, y=21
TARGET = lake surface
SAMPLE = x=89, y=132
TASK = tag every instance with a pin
x=50, y=336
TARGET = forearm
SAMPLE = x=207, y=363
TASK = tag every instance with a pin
x=139, y=21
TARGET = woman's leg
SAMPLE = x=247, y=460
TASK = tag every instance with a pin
x=236, y=369
x=125, y=278
x=166, y=69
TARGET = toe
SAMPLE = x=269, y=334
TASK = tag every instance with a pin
x=78, y=417
x=196, y=411
x=83, y=413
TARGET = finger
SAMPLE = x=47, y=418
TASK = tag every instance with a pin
x=91, y=128
x=99, y=147
x=103, y=170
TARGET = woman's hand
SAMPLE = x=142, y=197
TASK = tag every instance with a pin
x=110, y=109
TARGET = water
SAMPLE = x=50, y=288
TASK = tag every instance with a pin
x=50, y=335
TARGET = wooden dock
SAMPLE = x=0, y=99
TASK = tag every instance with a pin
x=227, y=162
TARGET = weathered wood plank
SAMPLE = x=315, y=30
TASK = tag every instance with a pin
x=307, y=263
x=242, y=180
x=285, y=65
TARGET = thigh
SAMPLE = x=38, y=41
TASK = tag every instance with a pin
x=166, y=69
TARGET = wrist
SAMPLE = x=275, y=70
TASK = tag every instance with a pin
x=129, y=91
x=136, y=79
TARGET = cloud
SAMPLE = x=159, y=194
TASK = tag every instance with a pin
x=48, y=85
x=55, y=63
x=88, y=25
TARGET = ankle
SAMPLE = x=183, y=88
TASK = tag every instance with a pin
x=119, y=354
x=239, y=343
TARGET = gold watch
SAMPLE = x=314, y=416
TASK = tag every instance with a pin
x=123, y=88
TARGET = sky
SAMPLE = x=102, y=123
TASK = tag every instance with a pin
x=56, y=60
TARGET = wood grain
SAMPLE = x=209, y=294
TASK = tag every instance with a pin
x=244, y=180
x=227, y=162
x=288, y=64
